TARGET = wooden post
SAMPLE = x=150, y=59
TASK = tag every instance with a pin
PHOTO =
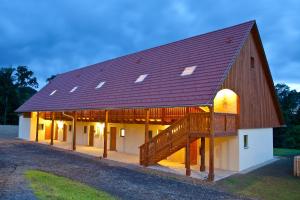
x=105, y=135
x=211, y=173
x=74, y=131
x=202, y=154
x=147, y=125
x=37, y=127
x=187, y=157
x=146, y=137
x=188, y=150
x=163, y=114
x=52, y=128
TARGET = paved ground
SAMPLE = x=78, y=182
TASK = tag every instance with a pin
x=17, y=156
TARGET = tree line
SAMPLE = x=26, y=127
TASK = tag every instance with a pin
x=18, y=84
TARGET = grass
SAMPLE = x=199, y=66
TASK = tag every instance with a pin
x=272, y=182
x=47, y=186
x=268, y=188
x=286, y=152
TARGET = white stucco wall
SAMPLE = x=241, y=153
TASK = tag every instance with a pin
x=24, y=128
x=134, y=137
x=27, y=127
x=230, y=153
x=260, y=147
x=226, y=153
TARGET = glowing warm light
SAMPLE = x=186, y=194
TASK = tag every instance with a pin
x=60, y=124
x=100, y=126
x=122, y=132
x=226, y=101
x=204, y=108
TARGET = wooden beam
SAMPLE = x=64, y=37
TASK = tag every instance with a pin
x=74, y=131
x=147, y=125
x=105, y=135
x=37, y=127
x=211, y=173
x=187, y=157
x=202, y=154
x=52, y=127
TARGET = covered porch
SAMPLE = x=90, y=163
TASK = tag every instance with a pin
x=164, y=131
x=131, y=159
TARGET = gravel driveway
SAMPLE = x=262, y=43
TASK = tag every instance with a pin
x=16, y=156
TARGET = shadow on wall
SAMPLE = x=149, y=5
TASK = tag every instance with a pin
x=8, y=131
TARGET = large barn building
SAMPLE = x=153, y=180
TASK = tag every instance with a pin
x=205, y=101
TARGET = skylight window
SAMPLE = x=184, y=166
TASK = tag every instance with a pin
x=74, y=88
x=188, y=71
x=100, y=85
x=52, y=93
x=141, y=78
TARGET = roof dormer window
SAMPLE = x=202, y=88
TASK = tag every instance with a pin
x=52, y=93
x=74, y=88
x=141, y=78
x=188, y=71
x=100, y=85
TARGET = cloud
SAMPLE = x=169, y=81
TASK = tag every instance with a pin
x=56, y=36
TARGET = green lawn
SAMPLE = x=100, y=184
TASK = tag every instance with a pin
x=286, y=152
x=47, y=186
x=267, y=188
x=272, y=182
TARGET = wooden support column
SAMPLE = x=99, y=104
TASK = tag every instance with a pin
x=187, y=157
x=147, y=125
x=37, y=127
x=163, y=114
x=211, y=173
x=52, y=127
x=105, y=135
x=202, y=154
x=74, y=131
x=146, y=137
x=188, y=150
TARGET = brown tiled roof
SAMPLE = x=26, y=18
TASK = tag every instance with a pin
x=213, y=53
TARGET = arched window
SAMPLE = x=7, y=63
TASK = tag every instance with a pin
x=226, y=101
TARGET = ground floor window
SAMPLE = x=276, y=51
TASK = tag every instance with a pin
x=246, y=142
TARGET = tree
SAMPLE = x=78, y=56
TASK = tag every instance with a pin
x=51, y=78
x=7, y=89
x=16, y=86
x=288, y=137
x=25, y=77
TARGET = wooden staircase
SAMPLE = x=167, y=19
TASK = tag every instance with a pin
x=189, y=128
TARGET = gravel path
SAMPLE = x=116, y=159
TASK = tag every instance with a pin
x=16, y=156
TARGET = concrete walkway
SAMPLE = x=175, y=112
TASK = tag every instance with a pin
x=164, y=165
x=17, y=156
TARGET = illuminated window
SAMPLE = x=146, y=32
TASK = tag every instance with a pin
x=188, y=71
x=100, y=85
x=74, y=88
x=246, y=142
x=53, y=92
x=141, y=78
x=122, y=132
